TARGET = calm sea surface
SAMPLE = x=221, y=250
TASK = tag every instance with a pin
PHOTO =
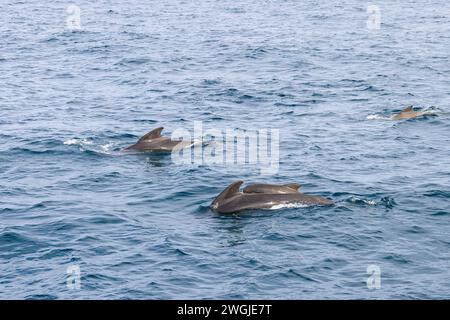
x=140, y=227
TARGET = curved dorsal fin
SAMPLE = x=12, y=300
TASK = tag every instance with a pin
x=155, y=133
x=408, y=109
x=294, y=186
x=229, y=191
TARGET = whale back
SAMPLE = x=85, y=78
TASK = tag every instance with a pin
x=272, y=188
x=408, y=113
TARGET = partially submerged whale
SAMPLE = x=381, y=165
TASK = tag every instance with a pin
x=410, y=113
x=153, y=141
x=263, y=196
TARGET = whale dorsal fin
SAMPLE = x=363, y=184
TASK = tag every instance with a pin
x=155, y=133
x=408, y=109
x=294, y=186
x=229, y=191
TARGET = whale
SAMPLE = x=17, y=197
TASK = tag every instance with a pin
x=410, y=113
x=263, y=196
x=153, y=141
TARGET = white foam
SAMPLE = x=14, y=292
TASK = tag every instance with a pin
x=79, y=142
x=195, y=143
x=430, y=112
x=107, y=147
x=368, y=202
x=288, y=206
x=376, y=117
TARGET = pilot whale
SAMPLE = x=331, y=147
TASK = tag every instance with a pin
x=263, y=196
x=153, y=141
x=410, y=113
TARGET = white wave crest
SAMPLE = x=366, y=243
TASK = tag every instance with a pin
x=357, y=200
x=107, y=147
x=288, y=206
x=78, y=142
x=377, y=117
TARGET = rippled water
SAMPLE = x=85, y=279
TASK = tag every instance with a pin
x=139, y=226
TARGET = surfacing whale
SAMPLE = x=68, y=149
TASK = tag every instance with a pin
x=153, y=141
x=263, y=196
x=410, y=113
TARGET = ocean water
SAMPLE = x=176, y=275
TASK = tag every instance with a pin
x=140, y=227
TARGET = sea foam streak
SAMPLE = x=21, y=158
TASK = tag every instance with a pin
x=79, y=142
x=288, y=206
x=88, y=145
x=377, y=117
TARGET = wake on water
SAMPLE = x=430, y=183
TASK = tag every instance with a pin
x=110, y=148
x=84, y=144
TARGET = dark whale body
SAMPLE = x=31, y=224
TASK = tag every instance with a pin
x=266, y=196
x=153, y=141
x=410, y=113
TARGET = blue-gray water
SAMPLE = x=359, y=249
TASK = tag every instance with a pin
x=139, y=226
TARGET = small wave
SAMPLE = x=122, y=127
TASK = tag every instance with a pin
x=397, y=258
x=441, y=213
x=132, y=61
x=107, y=147
x=357, y=200
x=41, y=297
x=433, y=109
x=210, y=82
x=385, y=201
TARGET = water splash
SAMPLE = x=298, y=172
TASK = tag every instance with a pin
x=289, y=206
x=87, y=145
x=361, y=201
x=78, y=142
x=377, y=117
